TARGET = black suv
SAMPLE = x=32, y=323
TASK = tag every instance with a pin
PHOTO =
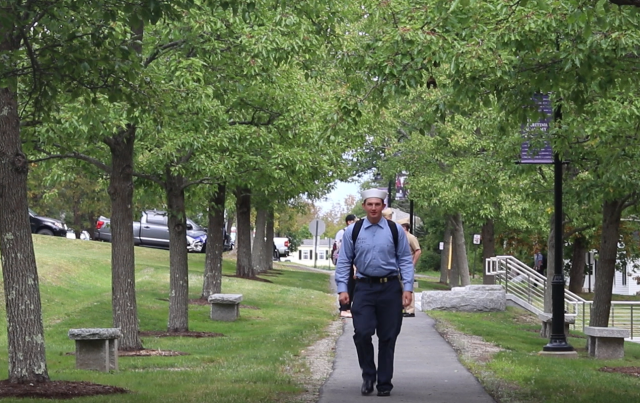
x=46, y=225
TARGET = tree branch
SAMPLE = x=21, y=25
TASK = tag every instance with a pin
x=630, y=200
x=566, y=235
x=75, y=155
x=202, y=181
x=634, y=3
x=254, y=121
x=148, y=177
x=160, y=50
x=30, y=123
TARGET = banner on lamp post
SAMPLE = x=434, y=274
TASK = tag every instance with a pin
x=531, y=131
x=401, y=186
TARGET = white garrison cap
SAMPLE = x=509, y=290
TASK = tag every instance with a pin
x=379, y=193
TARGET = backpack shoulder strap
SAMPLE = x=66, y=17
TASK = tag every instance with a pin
x=356, y=230
x=394, y=232
x=354, y=235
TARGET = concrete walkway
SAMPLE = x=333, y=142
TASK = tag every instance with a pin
x=426, y=369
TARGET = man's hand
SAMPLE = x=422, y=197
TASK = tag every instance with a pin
x=343, y=298
x=406, y=298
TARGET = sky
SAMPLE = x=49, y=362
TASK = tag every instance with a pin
x=337, y=196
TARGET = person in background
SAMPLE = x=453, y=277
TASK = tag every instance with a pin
x=387, y=213
x=537, y=261
x=345, y=309
x=414, y=245
x=378, y=297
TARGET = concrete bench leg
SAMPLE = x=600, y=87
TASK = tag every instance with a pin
x=225, y=307
x=605, y=343
x=99, y=355
x=225, y=312
x=608, y=348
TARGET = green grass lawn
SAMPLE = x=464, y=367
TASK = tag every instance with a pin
x=258, y=356
x=253, y=362
x=519, y=374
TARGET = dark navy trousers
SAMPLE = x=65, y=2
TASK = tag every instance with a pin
x=377, y=308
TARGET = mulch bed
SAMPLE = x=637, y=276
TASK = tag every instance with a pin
x=264, y=280
x=150, y=353
x=200, y=301
x=71, y=389
x=633, y=371
x=160, y=333
x=56, y=389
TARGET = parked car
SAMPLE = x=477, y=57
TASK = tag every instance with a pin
x=46, y=226
x=153, y=230
x=282, y=245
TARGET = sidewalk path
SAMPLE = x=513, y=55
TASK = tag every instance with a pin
x=426, y=369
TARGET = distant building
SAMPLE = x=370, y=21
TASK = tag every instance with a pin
x=626, y=280
x=306, y=254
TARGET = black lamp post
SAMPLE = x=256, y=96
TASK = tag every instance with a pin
x=557, y=340
x=545, y=155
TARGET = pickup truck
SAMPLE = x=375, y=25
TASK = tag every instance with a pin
x=152, y=230
x=282, y=245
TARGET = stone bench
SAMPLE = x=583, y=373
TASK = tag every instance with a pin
x=225, y=307
x=472, y=298
x=547, y=326
x=96, y=348
x=606, y=343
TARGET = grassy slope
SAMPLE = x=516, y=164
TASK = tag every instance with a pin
x=250, y=363
x=519, y=374
x=247, y=365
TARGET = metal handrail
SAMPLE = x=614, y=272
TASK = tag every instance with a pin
x=622, y=315
x=530, y=286
x=526, y=283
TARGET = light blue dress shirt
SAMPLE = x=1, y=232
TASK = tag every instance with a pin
x=375, y=254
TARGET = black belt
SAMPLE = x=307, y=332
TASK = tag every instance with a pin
x=376, y=279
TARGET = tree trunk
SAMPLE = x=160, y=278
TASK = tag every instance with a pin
x=77, y=217
x=123, y=282
x=268, y=246
x=123, y=268
x=92, y=219
x=243, y=233
x=460, y=252
x=488, y=249
x=551, y=253
x=178, y=259
x=25, y=331
x=212, y=283
x=578, y=264
x=611, y=214
x=445, y=263
x=257, y=252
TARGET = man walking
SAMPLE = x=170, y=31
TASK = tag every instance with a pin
x=380, y=250
x=414, y=245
